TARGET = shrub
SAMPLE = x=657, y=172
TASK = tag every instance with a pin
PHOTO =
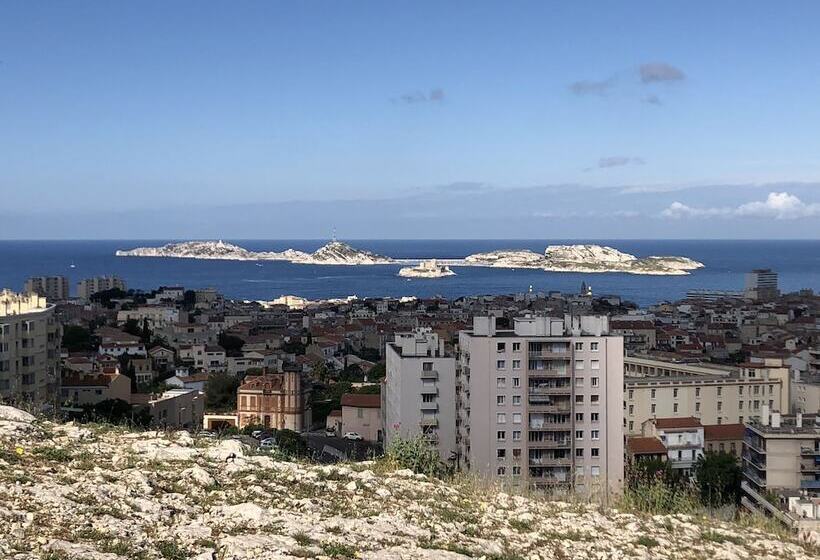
x=417, y=455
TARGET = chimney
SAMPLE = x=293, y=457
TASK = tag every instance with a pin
x=798, y=420
x=775, y=419
x=764, y=415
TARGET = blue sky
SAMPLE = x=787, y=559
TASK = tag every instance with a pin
x=544, y=119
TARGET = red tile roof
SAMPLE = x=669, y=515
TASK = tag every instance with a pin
x=639, y=445
x=673, y=423
x=723, y=431
x=362, y=401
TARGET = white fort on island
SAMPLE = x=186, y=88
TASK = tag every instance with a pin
x=427, y=269
x=556, y=258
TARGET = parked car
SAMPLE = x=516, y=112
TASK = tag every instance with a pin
x=256, y=433
x=353, y=436
x=267, y=443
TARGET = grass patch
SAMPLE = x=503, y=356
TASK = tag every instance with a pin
x=338, y=550
x=648, y=542
x=521, y=526
x=54, y=454
x=172, y=551
x=715, y=537
x=302, y=539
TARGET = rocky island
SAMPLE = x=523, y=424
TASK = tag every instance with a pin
x=333, y=253
x=584, y=258
x=100, y=492
x=426, y=269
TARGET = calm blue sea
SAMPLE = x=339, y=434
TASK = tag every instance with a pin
x=797, y=262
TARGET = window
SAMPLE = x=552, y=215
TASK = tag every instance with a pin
x=675, y=408
x=595, y=452
x=428, y=398
x=517, y=453
x=757, y=405
x=653, y=408
x=740, y=405
x=579, y=381
x=516, y=347
x=579, y=416
x=516, y=471
x=740, y=390
x=579, y=434
x=500, y=364
x=516, y=400
x=720, y=405
x=579, y=399
x=595, y=434
x=501, y=346
x=720, y=391
x=499, y=400
x=501, y=435
x=595, y=470
x=516, y=435
x=697, y=407
x=631, y=425
x=501, y=418
x=359, y=413
x=697, y=391
x=501, y=471
x=594, y=381
x=652, y=394
x=631, y=394
x=579, y=364
x=675, y=393
x=501, y=453
x=594, y=364
x=516, y=417
x=593, y=346
x=594, y=416
x=631, y=409
x=579, y=452
x=757, y=390
x=579, y=345
x=516, y=364
x=427, y=366
x=594, y=399
x=516, y=381
x=501, y=382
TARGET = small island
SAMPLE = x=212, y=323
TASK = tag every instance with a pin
x=426, y=269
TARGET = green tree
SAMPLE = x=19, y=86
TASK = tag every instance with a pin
x=77, y=339
x=718, y=478
x=132, y=326
x=294, y=347
x=291, y=443
x=220, y=392
x=377, y=372
x=232, y=344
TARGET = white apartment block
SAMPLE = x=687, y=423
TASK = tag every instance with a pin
x=29, y=348
x=90, y=286
x=53, y=288
x=419, y=395
x=712, y=394
x=541, y=404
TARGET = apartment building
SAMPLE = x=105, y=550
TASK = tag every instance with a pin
x=761, y=284
x=53, y=288
x=712, y=394
x=805, y=393
x=541, y=403
x=683, y=439
x=29, y=348
x=419, y=391
x=782, y=452
x=90, y=286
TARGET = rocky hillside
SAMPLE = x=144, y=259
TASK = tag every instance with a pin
x=102, y=493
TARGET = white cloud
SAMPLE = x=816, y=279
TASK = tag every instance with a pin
x=778, y=205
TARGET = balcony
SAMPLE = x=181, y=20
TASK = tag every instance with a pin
x=809, y=451
x=428, y=406
x=556, y=353
x=429, y=389
x=534, y=373
x=756, y=462
x=748, y=474
x=548, y=407
x=550, y=461
x=550, y=426
x=551, y=390
x=550, y=444
x=754, y=445
x=810, y=484
x=429, y=374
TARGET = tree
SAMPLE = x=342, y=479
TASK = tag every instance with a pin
x=220, y=392
x=369, y=390
x=291, y=443
x=718, y=477
x=232, y=344
x=132, y=326
x=377, y=372
x=104, y=297
x=294, y=347
x=77, y=339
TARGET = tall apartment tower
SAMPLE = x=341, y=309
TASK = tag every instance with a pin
x=90, y=286
x=541, y=404
x=761, y=284
x=29, y=348
x=419, y=391
x=53, y=288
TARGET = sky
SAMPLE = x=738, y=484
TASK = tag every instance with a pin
x=275, y=119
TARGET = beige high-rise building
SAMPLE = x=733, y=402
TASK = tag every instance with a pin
x=541, y=403
x=53, y=288
x=419, y=391
x=90, y=286
x=712, y=394
x=29, y=348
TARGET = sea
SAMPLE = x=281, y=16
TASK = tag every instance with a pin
x=726, y=261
